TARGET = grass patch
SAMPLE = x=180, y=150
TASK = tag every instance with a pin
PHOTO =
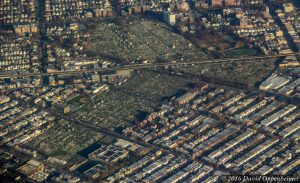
x=59, y=153
x=243, y=51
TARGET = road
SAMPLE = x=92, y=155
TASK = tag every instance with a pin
x=42, y=31
x=154, y=65
x=117, y=135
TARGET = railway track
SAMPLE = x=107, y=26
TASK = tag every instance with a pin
x=153, y=65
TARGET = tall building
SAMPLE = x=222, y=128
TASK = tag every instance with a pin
x=289, y=7
x=170, y=18
x=223, y=2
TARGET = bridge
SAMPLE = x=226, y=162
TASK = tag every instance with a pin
x=264, y=58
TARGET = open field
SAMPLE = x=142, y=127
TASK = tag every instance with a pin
x=238, y=52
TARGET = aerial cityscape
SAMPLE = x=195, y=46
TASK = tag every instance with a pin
x=149, y=91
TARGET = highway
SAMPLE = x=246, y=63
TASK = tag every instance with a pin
x=153, y=65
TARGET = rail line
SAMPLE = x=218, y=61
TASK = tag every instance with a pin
x=152, y=65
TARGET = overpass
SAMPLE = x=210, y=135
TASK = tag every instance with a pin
x=154, y=65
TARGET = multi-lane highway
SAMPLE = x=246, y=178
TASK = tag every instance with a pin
x=153, y=65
